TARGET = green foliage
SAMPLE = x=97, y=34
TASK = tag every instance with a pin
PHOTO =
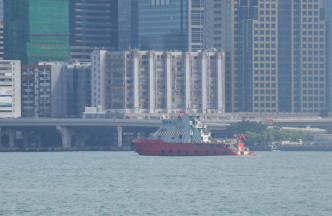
x=261, y=135
x=245, y=126
x=251, y=138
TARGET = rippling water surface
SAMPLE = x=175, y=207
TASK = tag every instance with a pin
x=123, y=183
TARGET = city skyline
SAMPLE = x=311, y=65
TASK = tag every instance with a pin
x=276, y=52
x=107, y=107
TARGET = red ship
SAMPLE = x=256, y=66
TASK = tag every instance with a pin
x=186, y=135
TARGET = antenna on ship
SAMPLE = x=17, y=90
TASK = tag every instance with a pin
x=180, y=115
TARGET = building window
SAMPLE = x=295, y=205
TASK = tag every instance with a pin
x=160, y=2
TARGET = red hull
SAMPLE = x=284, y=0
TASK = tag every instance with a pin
x=161, y=148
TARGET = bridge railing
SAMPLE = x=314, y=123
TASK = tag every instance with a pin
x=252, y=116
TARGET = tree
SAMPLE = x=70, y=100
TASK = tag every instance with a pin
x=244, y=126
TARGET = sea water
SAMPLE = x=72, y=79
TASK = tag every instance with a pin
x=124, y=183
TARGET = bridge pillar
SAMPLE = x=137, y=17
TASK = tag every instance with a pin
x=81, y=138
x=25, y=139
x=11, y=134
x=66, y=135
x=38, y=139
x=120, y=137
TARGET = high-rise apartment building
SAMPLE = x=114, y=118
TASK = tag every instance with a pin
x=93, y=24
x=44, y=90
x=10, y=88
x=278, y=56
x=173, y=25
x=36, y=91
x=36, y=30
x=159, y=82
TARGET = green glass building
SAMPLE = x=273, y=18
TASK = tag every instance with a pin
x=36, y=30
x=174, y=25
x=163, y=25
